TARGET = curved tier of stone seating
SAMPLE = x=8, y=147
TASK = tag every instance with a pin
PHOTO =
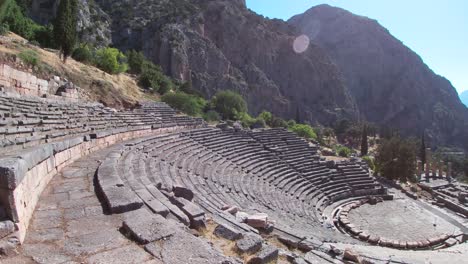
x=223, y=169
x=38, y=137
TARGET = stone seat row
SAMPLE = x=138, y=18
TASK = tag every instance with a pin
x=40, y=136
x=22, y=129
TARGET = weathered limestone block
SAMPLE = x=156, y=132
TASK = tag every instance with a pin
x=249, y=244
x=266, y=255
x=180, y=191
x=258, y=220
x=146, y=227
x=228, y=232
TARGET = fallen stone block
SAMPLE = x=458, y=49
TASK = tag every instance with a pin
x=241, y=217
x=146, y=227
x=249, y=244
x=194, y=213
x=266, y=255
x=155, y=205
x=232, y=210
x=351, y=256
x=121, y=199
x=228, y=232
x=180, y=191
x=258, y=220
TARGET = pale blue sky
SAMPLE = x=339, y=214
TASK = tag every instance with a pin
x=436, y=30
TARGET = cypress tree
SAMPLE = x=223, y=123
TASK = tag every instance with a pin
x=65, y=27
x=364, y=142
x=298, y=116
x=422, y=152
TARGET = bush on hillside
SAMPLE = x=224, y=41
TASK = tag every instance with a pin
x=278, y=122
x=370, y=162
x=4, y=28
x=343, y=151
x=266, y=116
x=136, y=61
x=229, y=104
x=395, y=158
x=30, y=57
x=211, y=116
x=304, y=131
x=111, y=60
x=246, y=120
x=259, y=123
x=189, y=104
x=44, y=35
x=291, y=123
x=83, y=54
x=152, y=78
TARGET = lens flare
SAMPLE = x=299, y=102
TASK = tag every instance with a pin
x=301, y=44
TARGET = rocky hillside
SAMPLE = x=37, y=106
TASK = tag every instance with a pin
x=390, y=83
x=219, y=45
x=119, y=91
x=353, y=67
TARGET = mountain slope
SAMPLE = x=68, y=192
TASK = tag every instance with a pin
x=390, y=83
x=464, y=97
x=219, y=45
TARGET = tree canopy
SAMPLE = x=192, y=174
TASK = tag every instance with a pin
x=65, y=27
x=396, y=158
x=229, y=104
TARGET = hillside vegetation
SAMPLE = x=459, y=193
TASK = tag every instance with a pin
x=113, y=90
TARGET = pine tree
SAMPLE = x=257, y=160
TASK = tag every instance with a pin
x=364, y=142
x=65, y=27
x=422, y=152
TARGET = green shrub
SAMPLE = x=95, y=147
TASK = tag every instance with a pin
x=370, y=162
x=245, y=119
x=189, y=104
x=44, y=35
x=153, y=79
x=291, y=123
x=304, y=131
x=83, y=54
x=278, y=122
x=111, y=60
x=229, y=104
x=395, y=158
x=30, y=57
x=136, y=61
x=4, y=28
x=259, y=123
x=343, y=151
x=266, y=116
x=211, y=116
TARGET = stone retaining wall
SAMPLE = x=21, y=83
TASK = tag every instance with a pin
x=23, y=178
x=25, y=83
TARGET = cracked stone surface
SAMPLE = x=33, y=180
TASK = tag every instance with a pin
x=69, y=225
x=400, y=220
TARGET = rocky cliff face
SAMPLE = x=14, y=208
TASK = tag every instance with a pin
x=390, y=83
x=353, y=68
x=219, y=45
x=93, y=23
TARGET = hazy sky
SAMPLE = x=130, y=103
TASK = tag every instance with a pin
x=436, y=30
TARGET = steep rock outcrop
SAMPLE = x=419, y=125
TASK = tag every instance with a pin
x=93, y=24
x=390, y=83
x=219, y=45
